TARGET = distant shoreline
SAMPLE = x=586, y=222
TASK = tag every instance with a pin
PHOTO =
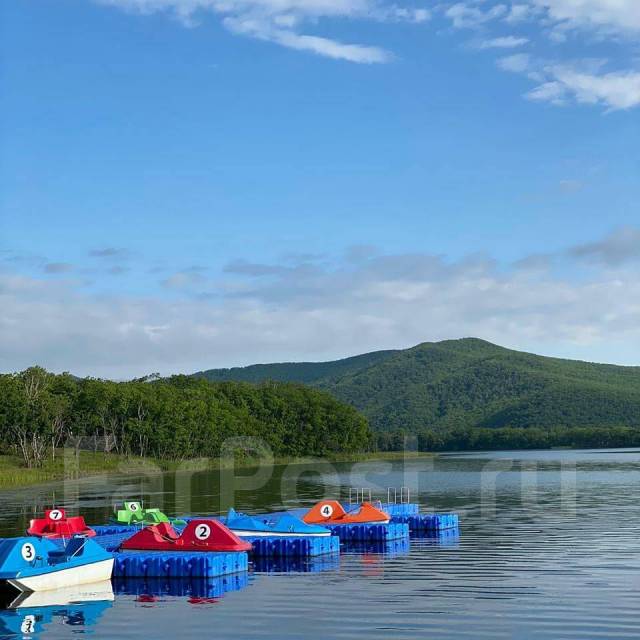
x=14, y=475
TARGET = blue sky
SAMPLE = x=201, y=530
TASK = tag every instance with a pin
x=198, y=183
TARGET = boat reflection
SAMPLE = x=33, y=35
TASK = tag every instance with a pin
x=27, y=614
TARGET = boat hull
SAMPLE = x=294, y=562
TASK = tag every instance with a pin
x=83, y=574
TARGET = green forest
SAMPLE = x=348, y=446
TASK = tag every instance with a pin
x=468, y=385
x=503, y=438
x=454, y=395
x=174, y=418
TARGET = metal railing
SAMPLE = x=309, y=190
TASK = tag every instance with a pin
x=403, y=494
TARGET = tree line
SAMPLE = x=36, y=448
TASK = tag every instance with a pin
x=175, y=418
x=484, y=438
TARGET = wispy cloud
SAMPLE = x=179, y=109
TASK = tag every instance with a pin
x=110, y=252
x=282, y=21
x=361, y=301
x=469, y=15
x=582, y=82
x=58, y=267
x=265, y=30
x=618, y=248
x=504, y=42
x=562, y=81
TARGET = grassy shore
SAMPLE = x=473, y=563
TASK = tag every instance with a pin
x=13, y=473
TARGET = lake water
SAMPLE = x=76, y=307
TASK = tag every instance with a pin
x=549, y=547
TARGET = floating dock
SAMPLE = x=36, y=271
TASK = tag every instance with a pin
x=428, y=522
x=294, y=547
x=111, y=537
x=370, y=532
x=399, y=547
x=205, y=588
x=178, y=564
x=401, y=509
x=317, y=564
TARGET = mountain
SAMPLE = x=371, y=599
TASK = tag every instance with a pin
x=465, y=383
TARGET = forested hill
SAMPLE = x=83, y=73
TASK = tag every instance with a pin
x=467, y=383
x=303, y=372
x=174, y=418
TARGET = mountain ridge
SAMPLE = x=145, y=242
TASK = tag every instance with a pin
x=467, y=382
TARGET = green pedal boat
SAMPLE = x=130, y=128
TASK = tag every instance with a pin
x=135, y=513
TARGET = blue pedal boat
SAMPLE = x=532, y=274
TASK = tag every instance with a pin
x=281, y=525
x=37, y=564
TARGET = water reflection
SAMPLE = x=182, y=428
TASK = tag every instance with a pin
x=30, y=614
x=548, y=548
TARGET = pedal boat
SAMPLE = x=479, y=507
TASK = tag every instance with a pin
x=37, y=564
x=55, y=524
x=199, y=535
x=331, y=512
x=284, y=525
x=134, y=513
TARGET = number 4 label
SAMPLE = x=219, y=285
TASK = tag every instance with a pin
x=326, y=510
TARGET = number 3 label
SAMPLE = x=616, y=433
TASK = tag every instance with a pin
x=326, y=510
x=56, y=514
x=28, y=552
x=203, y=531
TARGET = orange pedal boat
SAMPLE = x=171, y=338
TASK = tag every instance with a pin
x=332, y=512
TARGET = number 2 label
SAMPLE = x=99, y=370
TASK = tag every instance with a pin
x=203, y=531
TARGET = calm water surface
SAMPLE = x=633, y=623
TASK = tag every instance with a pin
x=548, y=548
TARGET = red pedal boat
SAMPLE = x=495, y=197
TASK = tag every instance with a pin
x=332, y=512
x=198, y=535
x=55, y=524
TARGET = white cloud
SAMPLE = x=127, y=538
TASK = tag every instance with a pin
x=317, y=311
x=584, y=82
x=519, y=13
x=323, y=46
x=616, y=249
x=517, y=63
x=504, y=42
x=468, y=15
x=620, y=16
x=279, y=21
x=615, y=90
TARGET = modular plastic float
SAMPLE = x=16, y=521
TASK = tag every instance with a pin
x=297, y=547
x=397, y=547
x=133, y=513
x=178, y=564
x=39, y=564
x=199, y=535
x=55, y=524
x=429, y=522
x=317, y=564
x=370, y=532
x=395, y=509
x=331, y=512
x=279, y=525
x=197, y=588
